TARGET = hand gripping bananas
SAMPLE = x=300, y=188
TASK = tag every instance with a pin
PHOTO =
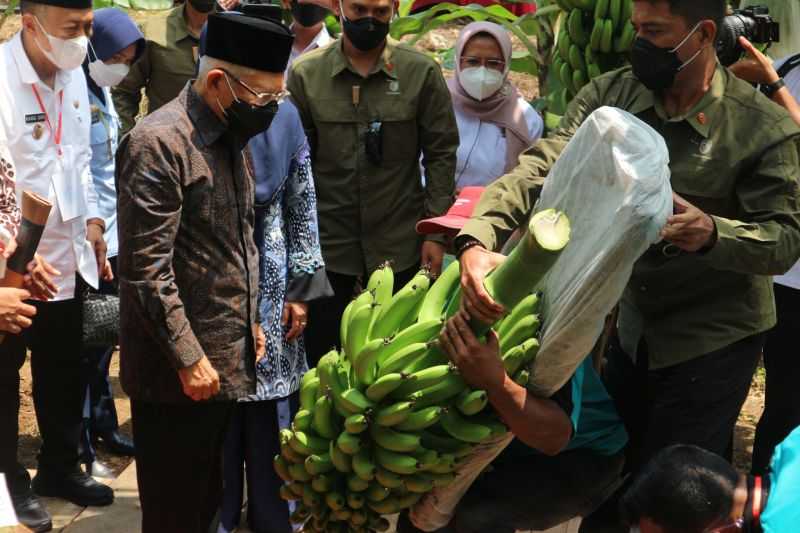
x=386, y=417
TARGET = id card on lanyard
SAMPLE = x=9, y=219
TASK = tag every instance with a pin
x=55, y=135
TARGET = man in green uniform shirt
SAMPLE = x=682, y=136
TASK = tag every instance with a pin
x=169, y=62
x=693, y=316
x=371, y=107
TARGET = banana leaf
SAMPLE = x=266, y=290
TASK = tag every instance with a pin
x=151, y=5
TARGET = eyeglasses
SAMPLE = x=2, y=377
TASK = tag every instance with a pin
x=475, y=62
x=261, y=99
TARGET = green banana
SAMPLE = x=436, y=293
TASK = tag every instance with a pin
x=442, y=480
x=349, y=443
x=419, y=332
x=322, y=483
x=576, y=59
x=607, y=42
x=593, y=71
x=404, y=501
x=318, y=464
x=342, y=515
x=365, y=362
x=597, y=34
x=432, y=357
x=627, y=10
x=290, y=455
x=335, y=500
x=379, y=523
x=433, y=304
x=601, y=9
x=308, y=393
x=575, y=27
x=615, y=13
x=524, y=329
x=423, y=379
x=427, y=459
x=356, y=424
x=310, y=498
x=356, y=484
x=286, y=494
x=377, y=493
x=296, y=488
x=396, y=462
x=328, y=372
x=388, y=479
x=324, y=417
x=530, y=304
x=345, y=322
x=454, y=304
x=392, y=440
x=418, y=483
x=299, y=472
x=342, y=462
x=381, y=283
x=355, y=500
x=281, y=468
x=462, y=429
x=447, y=463
x=358, y=329
x=363, y=466
x=624, y=42
x=419, y=420
x=307, y=444
x=354, y=401
x=398, y=361
x=402, y=309
x=566, y=77
x=393, y=414
x=358, y=518
x=579, y=79
x=522, y=377
x=472, y=402
x=385, y=507
x=302, y=420
x=520, y=355
x=564, y=43
x=384, y=385
x=448, y=387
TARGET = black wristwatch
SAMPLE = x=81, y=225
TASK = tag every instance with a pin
x=770, y=89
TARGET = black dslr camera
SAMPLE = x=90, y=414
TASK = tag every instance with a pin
x=753, y=23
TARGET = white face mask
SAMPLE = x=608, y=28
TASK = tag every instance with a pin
x=66, y=54
x=481, y=82
x=105, y=75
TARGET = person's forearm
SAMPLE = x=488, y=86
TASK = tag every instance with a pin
x=538, y=422
x=784, y=98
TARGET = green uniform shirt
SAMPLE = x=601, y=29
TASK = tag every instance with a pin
x=169, y=61
x=367, y=213
x=735, y=156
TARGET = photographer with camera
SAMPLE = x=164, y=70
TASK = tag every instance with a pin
x=781, y=410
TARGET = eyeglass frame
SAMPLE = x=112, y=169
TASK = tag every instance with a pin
x=277, y=98
x=485, y=62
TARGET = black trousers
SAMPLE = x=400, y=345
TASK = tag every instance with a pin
x=324, y=315
x=696, y=402
x=99, y=411
x=179, y=463
x=58, y=366
x=782, y=402
x=534, y=493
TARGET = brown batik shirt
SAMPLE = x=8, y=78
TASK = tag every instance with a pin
x=188, y=264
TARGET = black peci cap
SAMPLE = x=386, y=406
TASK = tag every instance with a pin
x=68, y=4
x=247, y=41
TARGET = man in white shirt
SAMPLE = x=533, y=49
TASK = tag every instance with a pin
x=308, y=27
x=45, y=117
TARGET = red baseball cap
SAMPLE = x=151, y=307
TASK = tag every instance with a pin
x=455, y=218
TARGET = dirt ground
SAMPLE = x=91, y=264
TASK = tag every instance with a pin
x=528, y=86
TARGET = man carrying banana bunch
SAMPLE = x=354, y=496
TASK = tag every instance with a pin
x=693, y=316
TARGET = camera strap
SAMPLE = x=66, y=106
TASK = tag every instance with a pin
x=789, y=65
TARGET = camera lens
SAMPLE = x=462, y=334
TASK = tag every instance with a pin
x=734, y=26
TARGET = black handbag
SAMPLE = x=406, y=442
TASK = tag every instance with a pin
x=100, y=320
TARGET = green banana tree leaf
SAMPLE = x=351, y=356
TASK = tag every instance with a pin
x=405, y=25
x=521, y=61
x=552, y=9
x=405, y=8
x=100, y=4
x=151, y=5
x=447, y=58
x=499, y=11
x=122, y=3
x=529, y=25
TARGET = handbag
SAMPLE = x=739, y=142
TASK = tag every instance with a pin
x=100, y=320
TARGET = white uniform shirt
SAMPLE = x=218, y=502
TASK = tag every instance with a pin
x=323, y=38
x=791, y=278
x=482, y=149
x=65, y=180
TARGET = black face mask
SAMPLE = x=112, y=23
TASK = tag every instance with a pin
x=365, y=33
x=247, y=120
x=657, y=67
x=308, y=15
x=203, y=6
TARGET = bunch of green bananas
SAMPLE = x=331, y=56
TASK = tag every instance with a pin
x=594, y=38
x=386, y=418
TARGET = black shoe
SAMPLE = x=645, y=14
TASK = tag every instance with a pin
x=31, y=513
x=117, y=443
x=98, y=468
x=77, y=487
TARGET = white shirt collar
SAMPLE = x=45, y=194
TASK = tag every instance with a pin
x=27, y=74
x=322, y=38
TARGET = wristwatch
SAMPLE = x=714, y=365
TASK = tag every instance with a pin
x=769, y=89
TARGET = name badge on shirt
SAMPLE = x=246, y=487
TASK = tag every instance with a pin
x=95, y=114
x=33, y=118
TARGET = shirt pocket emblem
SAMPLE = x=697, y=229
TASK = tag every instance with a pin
x=394, y=87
